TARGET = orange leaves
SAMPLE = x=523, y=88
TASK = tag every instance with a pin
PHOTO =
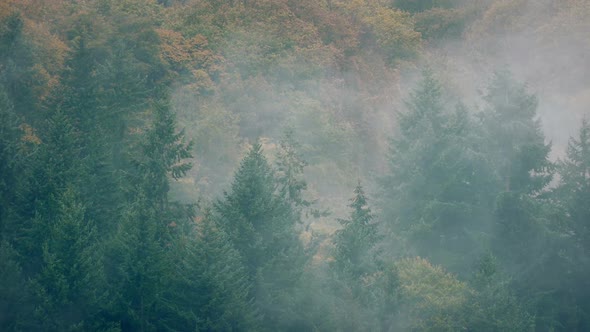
x=29, y=135
x=190, y=55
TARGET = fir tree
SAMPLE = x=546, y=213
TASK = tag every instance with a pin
x=261, y=225
x=210, y=290
x=518, y=148
x=290, y=166
x=68, y=285
x=355, y=242
x=16, y=302
x=438, y=180
x=139, y=262
x=10, y=166
x=521, y=160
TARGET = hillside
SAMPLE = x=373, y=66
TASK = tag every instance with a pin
x=189, y=164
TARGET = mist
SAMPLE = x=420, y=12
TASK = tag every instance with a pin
x=275, y=165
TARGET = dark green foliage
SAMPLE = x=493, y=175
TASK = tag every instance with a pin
x=492, y=306
x=16, y=303
x=55, y=167
x=290, y=167
x=210, y=290
x=261, y=225
x=17, y=59
x=572, y=193
x=69, y=284
x=139, y=266
x=520, y=159
x=366, y=290
x=438, y=190
x=354, y=244
x=10, y=163
x=518, y=148
x=256, y=219
x=92, y=239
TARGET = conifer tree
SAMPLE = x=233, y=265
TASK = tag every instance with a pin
x=54, y=168
x=520, y=157
x=574, y=185
x=355, y=242
x=290, y=167
x=261, y=225
x=570, y=268
x=16, y=303
x=10, y=168
x=518, y=149
x=437, y=181
x=68, y=286
x=139, y=262
x=258, y=221
x=210, y=290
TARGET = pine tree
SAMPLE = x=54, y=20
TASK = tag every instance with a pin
x=358, y=277
x=355, y=242
x=257, y=221
x=520, y=236
x=518, y=146
x=290, y=167
x=261, y=225
x=210, y=290
x=137, y=267
x=16, y=304
x=17, y=60
x=68, y=287
x=54, y=168
x=574, y=185
x=571, y=266
x=139, y=262
x=437, y=181
x=10, y=166
x=492, y=305
x=521, y=159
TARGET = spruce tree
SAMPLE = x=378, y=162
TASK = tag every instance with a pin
x=571, y=266
x=16, y=302
x=355, y=243
x=438, y=180
x=68, y=286
x=10, y=165
x=520, y=157
x=518, y=149
x=290, y=166
x=261, y=225
x=574, y=185
x=521, y=238
x=54, y=168
x=139, y=263
x=209, y=290
x=358, y=276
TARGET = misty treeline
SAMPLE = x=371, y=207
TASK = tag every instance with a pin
x=112, y=218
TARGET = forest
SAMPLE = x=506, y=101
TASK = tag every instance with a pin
x=294, y=165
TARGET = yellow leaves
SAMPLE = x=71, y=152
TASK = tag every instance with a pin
x=392, y=29
x=394, y=32
x=175, y=49
x=149, y=9
x=190, y=55
x=431, y=295
x=501, y=16
x=422, y=280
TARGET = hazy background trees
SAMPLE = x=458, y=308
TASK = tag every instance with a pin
x=294, y=165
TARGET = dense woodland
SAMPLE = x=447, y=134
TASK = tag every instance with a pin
x=294, y=165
